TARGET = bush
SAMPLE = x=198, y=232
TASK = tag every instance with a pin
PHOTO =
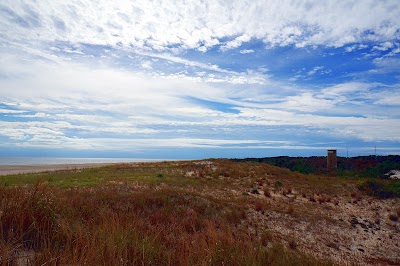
x=267, y=193
x=393, y=217
x=381, y=188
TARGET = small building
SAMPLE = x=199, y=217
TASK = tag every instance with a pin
x=331, y=159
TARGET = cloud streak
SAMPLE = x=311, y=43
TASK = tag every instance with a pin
x=199, y=74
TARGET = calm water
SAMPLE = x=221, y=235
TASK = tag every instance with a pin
x=41, y=160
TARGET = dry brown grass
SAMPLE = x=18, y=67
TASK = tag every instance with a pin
x=170, y=213
x=118, y=225
x=267, y=193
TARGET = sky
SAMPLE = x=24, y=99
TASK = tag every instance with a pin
x=183, y=79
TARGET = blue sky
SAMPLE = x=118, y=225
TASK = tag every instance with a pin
x=198, y=79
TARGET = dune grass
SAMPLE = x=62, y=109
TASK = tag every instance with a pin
x=140, y=214
x=118, y=226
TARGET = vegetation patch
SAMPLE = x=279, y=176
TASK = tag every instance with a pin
x=214, y=212
x=381, y=188
x=361, y=166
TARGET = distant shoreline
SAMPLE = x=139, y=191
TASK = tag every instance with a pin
x=19, y=168
x=37, y=168
x=71, y=160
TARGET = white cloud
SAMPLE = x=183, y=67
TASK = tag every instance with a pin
x=341, y=92
x=389, y=100
x=306, y=102
x=160, y=95
x=349, y=49
x=366, y=128
x=37, y=115
x=394, y=52
x=121, y=145
x=246, y=51
x=11, y=111
x=90, y=100
x=146, y=65
x=237, y=42
x=202, y=49
x=383, y=46
x=386, y=64
x=161, y=25
x=314, y=70
x=186, y=62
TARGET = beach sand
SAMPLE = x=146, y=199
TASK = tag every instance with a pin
x=36, y=168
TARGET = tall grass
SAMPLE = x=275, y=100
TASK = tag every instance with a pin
x=118, y=225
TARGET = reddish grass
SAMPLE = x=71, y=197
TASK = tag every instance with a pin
x=117, y=225
x=267, y=193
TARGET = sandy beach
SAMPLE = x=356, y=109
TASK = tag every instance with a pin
x=35, y=168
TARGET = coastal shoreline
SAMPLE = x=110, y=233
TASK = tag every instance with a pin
x=37, y=168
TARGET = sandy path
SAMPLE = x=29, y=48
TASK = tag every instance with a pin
x=35, y=168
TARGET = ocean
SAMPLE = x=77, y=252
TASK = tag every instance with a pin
x=49, y=160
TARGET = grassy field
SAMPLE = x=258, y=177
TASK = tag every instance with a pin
x=214, y=212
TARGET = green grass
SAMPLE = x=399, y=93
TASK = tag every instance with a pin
x=99, y=176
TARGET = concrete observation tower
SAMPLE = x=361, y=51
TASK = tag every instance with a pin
x=331, y=159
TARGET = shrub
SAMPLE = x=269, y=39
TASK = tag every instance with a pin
x=328, y=198
x=321, y=200
x=267, y=193
x=266, y=237
x=290, y=210
x=393, y=217
x=381, y=188
x=292, y=244
x=260, y=207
